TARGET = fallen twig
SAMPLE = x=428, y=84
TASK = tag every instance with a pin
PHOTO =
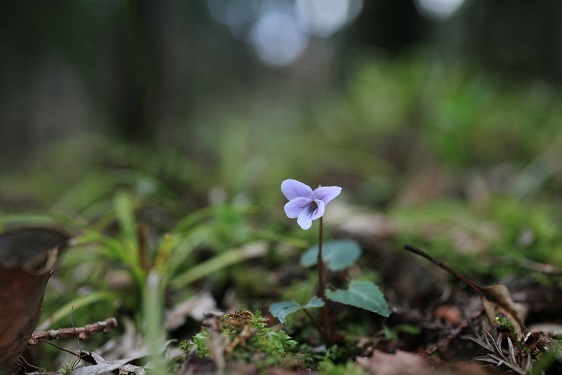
x=80, y=332
x=454, y=334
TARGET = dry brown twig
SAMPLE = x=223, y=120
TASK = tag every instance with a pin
x=496, y=299
x=455, y=333
x=80, y=332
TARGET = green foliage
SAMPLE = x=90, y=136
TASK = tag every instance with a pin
x=475, y=111
x=153, y=311
x=39, y=220
x=247, y=339
x=362, y=294
x=548, y=360
x=507, y=325
x=338, y=254
x=407, y=329
x=506, y=227
x=118, y=245
x=136, y=250
x=78, y=304
x=449, y=109
x=453, y=229
x=327, y=367
x=69, y=367
x=397, y=332
x=529, y=233
x=199, y=343
x=281, y=309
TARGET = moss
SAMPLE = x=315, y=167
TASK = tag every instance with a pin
x=245, y=337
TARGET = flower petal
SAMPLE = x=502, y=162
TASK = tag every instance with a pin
x=313, y=211
x=304, y=220
x=319, y=211
x=294, y=207
x=292, y=189
x=327, y=193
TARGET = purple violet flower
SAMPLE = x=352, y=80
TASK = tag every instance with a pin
x=305, y=204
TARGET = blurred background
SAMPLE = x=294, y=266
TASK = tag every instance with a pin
x=160, y=131
x=241, y=94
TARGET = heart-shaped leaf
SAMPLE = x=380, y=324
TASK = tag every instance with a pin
x=281, y=309
x=338, y=254
x=363, y=294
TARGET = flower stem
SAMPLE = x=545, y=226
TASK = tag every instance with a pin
x=325, y=329
x=320, y=263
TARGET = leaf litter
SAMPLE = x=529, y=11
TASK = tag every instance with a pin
x=442, y=331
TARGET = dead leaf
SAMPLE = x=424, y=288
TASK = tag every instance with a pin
x=196, y=307
x=403, y=363
x=355, y=221
x=497, y=301
x=553, y=329
x=27, y=260
x=451, y=315
x=369, y=225
x=128, y=344
x=131, y=370
x=102, y=366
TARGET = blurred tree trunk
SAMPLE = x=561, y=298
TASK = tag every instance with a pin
x=392, y=25
x=514, y=38
x=132, y=73
x=521, y=37
x=71, y=66
x=151, y=70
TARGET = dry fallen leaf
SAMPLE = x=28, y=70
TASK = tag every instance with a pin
x=102, y=366
x=27, y=260
x=128, y=344
x=196, y=307
x=404, y=363
x=451, y=315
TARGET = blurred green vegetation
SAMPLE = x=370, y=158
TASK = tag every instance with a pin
x=188, y=212
x=391, y=121
x=266, y=348
x=389, y=115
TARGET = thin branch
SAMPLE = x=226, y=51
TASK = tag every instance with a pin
x=81, y=332
x=453, y=335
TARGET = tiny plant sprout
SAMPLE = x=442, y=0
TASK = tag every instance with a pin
x=307, y=205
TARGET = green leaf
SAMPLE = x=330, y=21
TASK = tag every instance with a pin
x=363, y=294
x=66, y=310
x=338, y=254
x=36, y=220
x=124, y=208
x=281, y=309
x=217, y=263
